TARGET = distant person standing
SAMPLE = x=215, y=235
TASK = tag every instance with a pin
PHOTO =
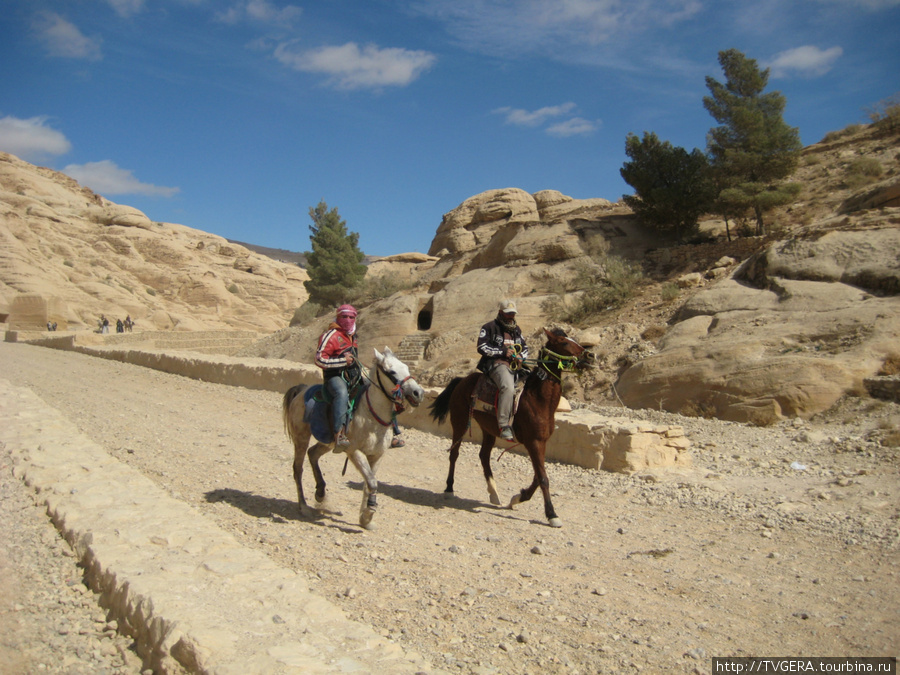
x=129, y=324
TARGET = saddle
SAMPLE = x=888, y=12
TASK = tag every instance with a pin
x=317, y=411
x=485, y=395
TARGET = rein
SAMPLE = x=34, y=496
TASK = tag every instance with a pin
x=563, y=362
x=395, y=396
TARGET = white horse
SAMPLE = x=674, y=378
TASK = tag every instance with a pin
x=384, y=397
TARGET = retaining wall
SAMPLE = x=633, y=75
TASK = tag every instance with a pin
x=582, y=438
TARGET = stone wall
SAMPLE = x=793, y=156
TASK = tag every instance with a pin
x=582, y=438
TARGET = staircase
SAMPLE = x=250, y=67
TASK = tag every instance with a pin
x=411, y=349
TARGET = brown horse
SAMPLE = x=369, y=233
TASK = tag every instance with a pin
x=534, y=419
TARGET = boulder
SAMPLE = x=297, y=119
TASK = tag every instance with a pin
x=792, y=331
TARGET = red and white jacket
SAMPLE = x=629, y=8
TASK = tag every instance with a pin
x=331, y=354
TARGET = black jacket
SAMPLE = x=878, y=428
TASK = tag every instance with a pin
x=490, y=342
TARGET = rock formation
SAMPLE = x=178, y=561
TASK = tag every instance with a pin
x=82, y=255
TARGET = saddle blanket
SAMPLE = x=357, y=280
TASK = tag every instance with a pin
x=317, y=413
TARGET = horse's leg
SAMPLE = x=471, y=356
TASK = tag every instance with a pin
x=487, y=444
x=370, y=487
x=300, y=436
x=454, y=455
x=459, y=422
x=536, y=451
x=315, y=454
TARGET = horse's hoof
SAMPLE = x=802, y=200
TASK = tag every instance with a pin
x=495, y=500
x=365, y=519
x=555, y=522
x=514, y=501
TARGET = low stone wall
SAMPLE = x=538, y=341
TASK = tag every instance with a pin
x=887, y=388
x=582, y=438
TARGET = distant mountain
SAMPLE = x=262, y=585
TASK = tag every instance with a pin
x=279, y=254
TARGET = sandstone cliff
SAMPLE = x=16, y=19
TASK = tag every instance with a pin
x=68, y=255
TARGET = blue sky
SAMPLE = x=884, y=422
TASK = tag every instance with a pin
x=236, y=116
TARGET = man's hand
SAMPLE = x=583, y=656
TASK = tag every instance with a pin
x=348, y=358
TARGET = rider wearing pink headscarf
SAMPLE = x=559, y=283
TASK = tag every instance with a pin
x=337, y=356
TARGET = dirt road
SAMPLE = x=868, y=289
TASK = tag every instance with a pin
x=780, y=541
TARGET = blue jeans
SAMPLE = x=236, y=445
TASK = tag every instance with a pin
x=337, y=390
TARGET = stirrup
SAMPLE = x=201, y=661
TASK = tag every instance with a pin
x=340, y=439
x=506, y=434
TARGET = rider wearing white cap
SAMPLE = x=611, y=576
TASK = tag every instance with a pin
x=500, y=344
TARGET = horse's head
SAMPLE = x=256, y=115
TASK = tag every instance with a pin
x=398, y=373
x=574, y=356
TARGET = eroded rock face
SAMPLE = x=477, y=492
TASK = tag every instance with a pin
x=87, y=256
x=512, y=227
x=795, y=328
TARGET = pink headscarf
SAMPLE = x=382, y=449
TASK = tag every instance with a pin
x=346, y=319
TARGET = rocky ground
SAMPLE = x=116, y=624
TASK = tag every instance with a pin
x=779, y=541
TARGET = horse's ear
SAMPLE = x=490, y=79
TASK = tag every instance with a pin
x=388, y=351
x=379, y=357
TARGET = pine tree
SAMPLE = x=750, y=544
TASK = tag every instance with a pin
x=753, y=150
x=672, y=187
x=335, y=263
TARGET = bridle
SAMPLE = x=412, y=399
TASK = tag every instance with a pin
x=395, y=395
x=561, y=363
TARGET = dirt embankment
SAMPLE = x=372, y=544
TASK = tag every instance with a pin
x=779, y=541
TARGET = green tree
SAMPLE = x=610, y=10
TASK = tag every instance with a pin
x=673, y=187
x=753, y=151
x=335, y=263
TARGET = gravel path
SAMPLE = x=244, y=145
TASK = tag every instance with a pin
x=780, y=541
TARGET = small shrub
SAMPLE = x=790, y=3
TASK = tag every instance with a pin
x=653, y=333
x=891, y=366
x=602, y=285
x=384, y=286
x=886, y=113
x=151, y=291
x=862, y=171
x=669, y=291
x=832, y=136
x=866, y=166
x=233, y=289
x=68, y=263
x=306, y=313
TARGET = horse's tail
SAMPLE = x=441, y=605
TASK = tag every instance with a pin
x=289, y=396
x=441, y=405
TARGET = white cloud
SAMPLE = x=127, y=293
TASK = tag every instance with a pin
x=534, y=118
x=260, y=10
x=350, y=67
x=106, y=178
x=577, y=126
x=868, y=4
x=63, y=38
x=528, y=118
x=806, y=60
x=126, y=7
x=555, y=25
x=30, y=139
